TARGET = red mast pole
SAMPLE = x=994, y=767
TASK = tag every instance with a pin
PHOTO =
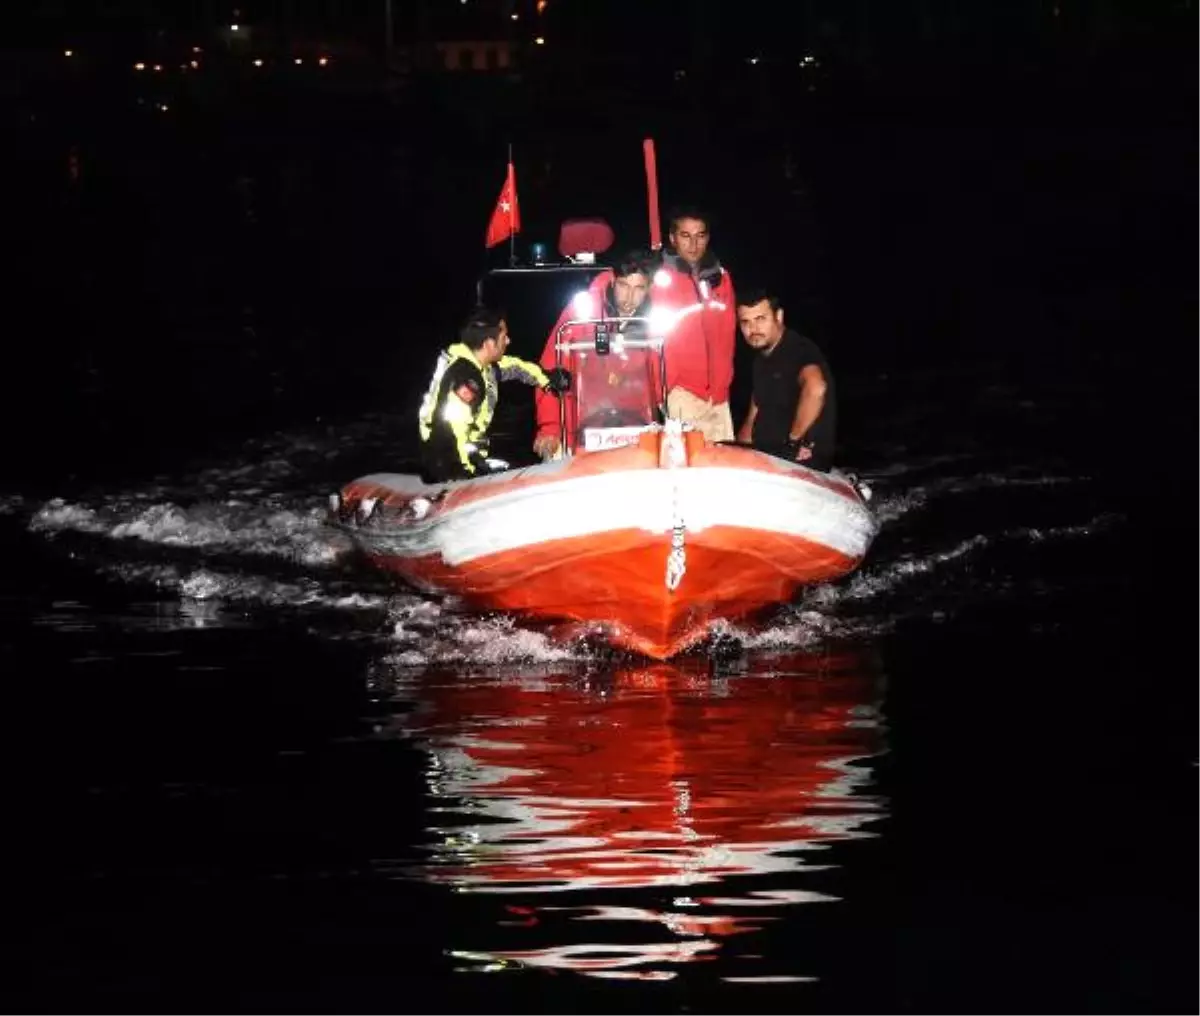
x=652, y=193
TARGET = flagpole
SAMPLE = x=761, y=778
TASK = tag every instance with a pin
x=512, y=237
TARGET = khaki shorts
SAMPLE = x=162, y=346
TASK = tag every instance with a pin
x=714, y=422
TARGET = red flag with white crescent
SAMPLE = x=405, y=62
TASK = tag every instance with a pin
x=506, y=219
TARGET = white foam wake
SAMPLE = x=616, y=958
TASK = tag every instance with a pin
x=249, y=532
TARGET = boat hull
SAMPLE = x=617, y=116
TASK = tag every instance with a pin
x=647, y=545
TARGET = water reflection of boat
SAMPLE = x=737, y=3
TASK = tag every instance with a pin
x=662, y=778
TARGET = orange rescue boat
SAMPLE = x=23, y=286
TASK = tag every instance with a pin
x=642, y=531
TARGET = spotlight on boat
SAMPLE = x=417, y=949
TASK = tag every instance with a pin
x=660, y=321
x=582, y=304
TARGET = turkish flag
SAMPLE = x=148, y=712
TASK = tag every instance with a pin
x=506, y=219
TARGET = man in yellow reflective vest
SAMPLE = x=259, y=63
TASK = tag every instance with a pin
x=458, y=407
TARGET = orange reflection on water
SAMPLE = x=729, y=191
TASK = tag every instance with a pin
x=661, y=776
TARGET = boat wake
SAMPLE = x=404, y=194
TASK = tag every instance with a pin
x=234, y=542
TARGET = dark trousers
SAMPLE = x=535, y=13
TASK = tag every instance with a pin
x=441, y=465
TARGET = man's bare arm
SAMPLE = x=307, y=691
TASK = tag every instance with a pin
x=746, y=431
x=812, y=400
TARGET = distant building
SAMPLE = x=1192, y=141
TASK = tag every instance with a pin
x=475, y=55
x=478, y=37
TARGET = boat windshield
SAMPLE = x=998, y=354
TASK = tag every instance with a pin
x=615, y=390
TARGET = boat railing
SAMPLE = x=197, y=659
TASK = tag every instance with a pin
x=536, y=271
x=605, y=340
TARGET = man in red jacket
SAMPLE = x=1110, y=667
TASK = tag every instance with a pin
x=621, y=291
x=698, y=292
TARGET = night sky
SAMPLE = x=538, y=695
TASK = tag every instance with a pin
x=879, y=32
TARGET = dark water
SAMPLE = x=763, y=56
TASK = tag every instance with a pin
x=245, y=774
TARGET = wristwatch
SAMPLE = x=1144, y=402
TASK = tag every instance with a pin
x=794, y=444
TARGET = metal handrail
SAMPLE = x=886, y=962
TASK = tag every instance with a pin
x=658, y=343
x=547, y=269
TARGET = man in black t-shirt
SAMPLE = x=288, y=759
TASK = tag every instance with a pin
x=793, y=411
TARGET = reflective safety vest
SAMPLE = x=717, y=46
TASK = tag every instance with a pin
x=469, y=419
x=456, y=410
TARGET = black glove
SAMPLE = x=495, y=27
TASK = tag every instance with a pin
x=558, y=380
x=479, y=464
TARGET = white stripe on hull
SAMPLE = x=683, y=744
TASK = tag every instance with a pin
x=642, y=499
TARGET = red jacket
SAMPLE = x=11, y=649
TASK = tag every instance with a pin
x=700, y=343
x=600, y=306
